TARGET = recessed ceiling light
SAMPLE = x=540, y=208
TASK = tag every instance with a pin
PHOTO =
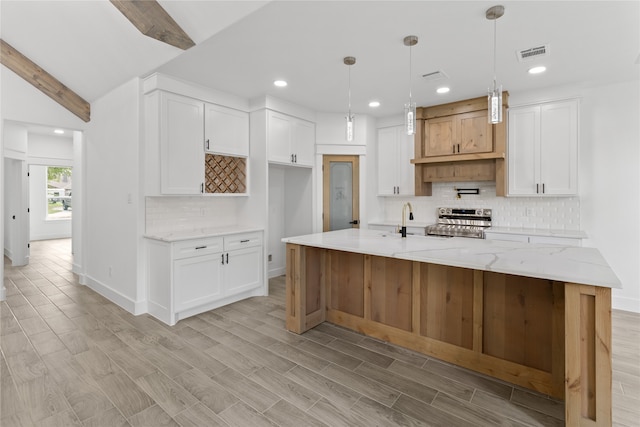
x=59, y=131
x=443, y=89
x=374, y=104
x=537, y=70
x=280, y=83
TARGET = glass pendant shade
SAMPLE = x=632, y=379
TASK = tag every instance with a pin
x=410, y=118
x=495, y=104
x=350, y=127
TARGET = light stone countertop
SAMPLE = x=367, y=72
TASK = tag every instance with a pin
x=545, y=261
x=176, y=236
x=546, y=232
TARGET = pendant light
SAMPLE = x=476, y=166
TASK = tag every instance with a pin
x=349, y=60
x=495, y=93
x=410, y=108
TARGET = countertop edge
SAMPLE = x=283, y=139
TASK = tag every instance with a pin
x=200, y=234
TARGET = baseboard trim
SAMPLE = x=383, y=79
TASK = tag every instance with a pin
x=625, y=304
x=280, y=271
x=112, y=295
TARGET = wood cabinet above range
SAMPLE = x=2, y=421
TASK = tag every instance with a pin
x=455, y=142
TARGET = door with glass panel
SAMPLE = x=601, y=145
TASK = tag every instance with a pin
x=341, y=194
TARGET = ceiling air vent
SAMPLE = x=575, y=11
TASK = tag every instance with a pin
x=435, y=75
x=532, y=53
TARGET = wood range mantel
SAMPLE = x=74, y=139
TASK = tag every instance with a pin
x=546, y=334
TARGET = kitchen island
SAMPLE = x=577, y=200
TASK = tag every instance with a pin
x=538, y=316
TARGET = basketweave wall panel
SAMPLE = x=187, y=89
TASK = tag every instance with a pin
x=225, y=174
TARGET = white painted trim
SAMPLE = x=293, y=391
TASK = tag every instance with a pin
x=347, y=150
x=280, y=271
x=158, y=81
x=112, y=295
x=3, y=293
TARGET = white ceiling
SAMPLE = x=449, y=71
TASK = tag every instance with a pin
x=241, y=47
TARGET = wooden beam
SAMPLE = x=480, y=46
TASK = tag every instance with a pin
x=153, y=21
x=45, y=82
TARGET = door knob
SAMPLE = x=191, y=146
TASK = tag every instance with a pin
x=354, y=222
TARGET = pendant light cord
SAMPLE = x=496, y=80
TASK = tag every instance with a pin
x=410, y=66
x=494, y=51
x=349, y=90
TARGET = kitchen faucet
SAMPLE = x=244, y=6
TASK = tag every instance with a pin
x=403, y=230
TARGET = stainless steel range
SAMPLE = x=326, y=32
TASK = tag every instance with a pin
x=460, y=222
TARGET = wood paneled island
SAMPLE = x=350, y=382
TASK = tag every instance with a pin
x=538, y=316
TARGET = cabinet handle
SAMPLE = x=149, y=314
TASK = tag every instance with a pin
x=202, y=187
x=201, y=247
x=227, y=257
x=458, y=148
x=454, y=148
x=244, y=241
x=537, y=188
x=295, y=158
x=222, y=259
x=543, y=188
x=292, y=158
x=207, y=144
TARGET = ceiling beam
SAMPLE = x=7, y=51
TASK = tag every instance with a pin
x=45, y=82
x=153, y=21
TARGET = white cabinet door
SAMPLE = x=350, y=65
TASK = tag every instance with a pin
x=226, y=131
x=406, y=169
x=196, y=281
x=181, y=145
x=242, y=270
x=543, y=149
x=303, y=142
x=395, y=171
x=290, y=140
x=387, y=170
x=279, y=138
x=524, y=150
x=559, y=148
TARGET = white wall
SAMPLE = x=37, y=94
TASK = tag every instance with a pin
x=41, y=228
x=112, y=234
x=276, y=227
x=43, y=151
x=609, y=182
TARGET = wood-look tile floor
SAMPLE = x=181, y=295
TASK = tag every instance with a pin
x=72, y=358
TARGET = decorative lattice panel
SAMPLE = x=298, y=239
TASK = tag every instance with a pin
x=224, y=174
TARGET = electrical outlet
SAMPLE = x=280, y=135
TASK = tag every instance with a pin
x=270, y=257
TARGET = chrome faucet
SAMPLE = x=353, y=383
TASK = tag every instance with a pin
x=403, y=230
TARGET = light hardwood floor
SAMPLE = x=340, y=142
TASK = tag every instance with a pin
x=70, y=357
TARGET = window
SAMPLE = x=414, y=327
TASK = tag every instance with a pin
x=59, y=192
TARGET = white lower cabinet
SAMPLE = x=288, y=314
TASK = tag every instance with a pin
x=188, y=277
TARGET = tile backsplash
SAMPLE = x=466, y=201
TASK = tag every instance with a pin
x=561, y=213
x=184, y=213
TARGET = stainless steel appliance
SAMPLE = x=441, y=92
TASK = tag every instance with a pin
x=460, y=222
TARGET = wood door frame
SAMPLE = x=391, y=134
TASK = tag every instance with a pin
x=355, y=194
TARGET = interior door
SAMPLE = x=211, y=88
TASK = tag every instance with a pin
x=341, y=192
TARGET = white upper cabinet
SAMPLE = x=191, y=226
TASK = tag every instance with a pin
x=181, y=152
x=543, y=149
x=226, y=131
x=290, y=140
x=395, y=171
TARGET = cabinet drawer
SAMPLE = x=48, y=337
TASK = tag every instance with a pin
x=244, y=240
x=189, y=248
